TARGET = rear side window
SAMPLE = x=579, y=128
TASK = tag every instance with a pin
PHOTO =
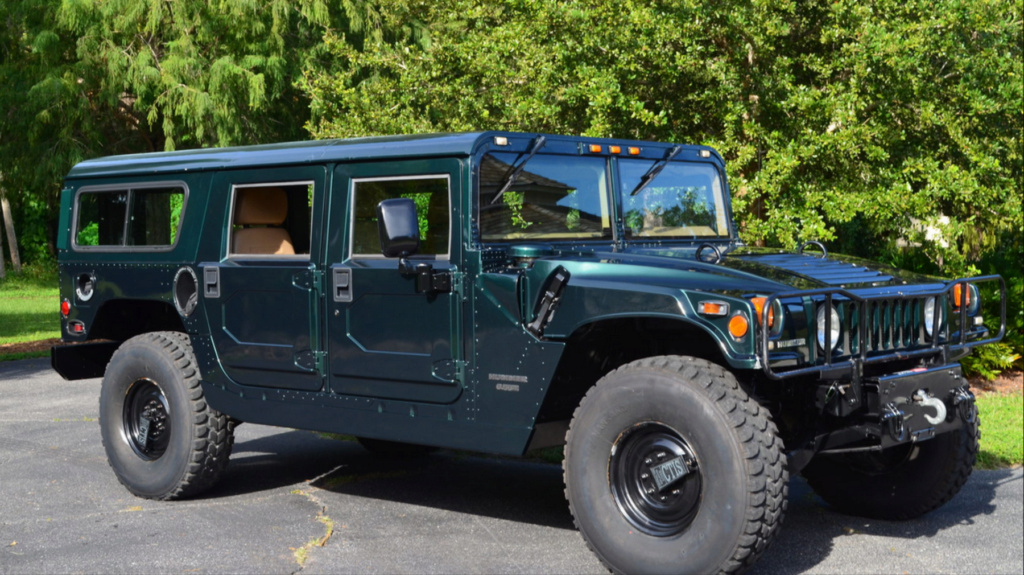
x=129, y=218
x=272, y=219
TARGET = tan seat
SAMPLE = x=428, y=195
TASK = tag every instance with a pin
x=261, y=212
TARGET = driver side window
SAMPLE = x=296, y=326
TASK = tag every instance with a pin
x=430, y=193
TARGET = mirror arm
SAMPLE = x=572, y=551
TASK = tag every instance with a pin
x=427, y=281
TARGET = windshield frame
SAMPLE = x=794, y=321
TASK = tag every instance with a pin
x=613, y=190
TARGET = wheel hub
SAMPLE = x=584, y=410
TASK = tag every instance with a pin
x=655, y=479
x=146, y=427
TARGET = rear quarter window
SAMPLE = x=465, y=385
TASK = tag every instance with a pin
x=129, y=218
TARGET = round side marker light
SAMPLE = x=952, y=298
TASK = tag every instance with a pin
x=739, y=326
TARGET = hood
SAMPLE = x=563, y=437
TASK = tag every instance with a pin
x=754, y=270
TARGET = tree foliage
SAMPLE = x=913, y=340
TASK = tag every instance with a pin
x=855, y=122
x=85, y=78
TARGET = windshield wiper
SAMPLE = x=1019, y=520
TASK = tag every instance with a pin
x=535, y=147
x=656, y=169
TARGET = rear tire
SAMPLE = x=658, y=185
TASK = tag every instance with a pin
x=900, y=483
x=162, y=440
x=671, y=468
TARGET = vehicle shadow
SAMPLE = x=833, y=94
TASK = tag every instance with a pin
x=23, y=368
x=812, y=528
x=531, y=492
x=513, y=489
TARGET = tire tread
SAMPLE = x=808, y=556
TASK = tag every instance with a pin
x=768, y=476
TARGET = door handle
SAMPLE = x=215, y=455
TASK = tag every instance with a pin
x=211, y=282
x=342, y=284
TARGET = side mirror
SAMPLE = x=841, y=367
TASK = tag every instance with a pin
x=398, y=227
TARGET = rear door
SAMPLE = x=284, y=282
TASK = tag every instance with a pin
x=263, y=296
x=385, y=340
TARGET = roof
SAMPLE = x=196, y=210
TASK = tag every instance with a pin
x=328, y=151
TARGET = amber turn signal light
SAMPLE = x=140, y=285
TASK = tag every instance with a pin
x=759, y=307
x=961, y=296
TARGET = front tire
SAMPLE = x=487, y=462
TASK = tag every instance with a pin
x=900, y=483
x=670, y=468
x=162, y=440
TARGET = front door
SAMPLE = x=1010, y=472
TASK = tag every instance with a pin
x=263, y=295
x=386, y=340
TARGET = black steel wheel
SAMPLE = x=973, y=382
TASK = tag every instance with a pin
x=671, y=468
x=145, y=424
x=655, y=479
x=162, y=439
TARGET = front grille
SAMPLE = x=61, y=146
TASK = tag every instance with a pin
x=881, y=327
x=885, y=325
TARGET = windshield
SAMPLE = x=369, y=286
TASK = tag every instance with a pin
x=553, y=198
x=685, y=200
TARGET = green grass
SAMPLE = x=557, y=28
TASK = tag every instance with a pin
x=29, y=305
x=1002, y=431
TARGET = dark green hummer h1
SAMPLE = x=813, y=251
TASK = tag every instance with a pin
x=501, y=292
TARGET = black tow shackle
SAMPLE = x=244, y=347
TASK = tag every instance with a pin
x=892, y=421
x=963, y=400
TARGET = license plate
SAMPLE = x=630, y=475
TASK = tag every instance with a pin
x=667, y=473
x=143, y=430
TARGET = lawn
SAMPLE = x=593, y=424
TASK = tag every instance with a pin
x=1002, y=438
x=29, y=306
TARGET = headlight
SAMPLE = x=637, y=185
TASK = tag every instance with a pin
x=836, y=328
x=929, y=315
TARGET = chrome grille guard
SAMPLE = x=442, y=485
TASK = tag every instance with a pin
x=895, y=327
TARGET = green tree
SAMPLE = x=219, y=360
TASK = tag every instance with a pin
x=85, y=78
x=888, y=119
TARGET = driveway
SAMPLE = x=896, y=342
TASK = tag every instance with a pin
x=295, y=501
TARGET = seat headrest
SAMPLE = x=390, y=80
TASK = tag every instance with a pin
x=261, y=206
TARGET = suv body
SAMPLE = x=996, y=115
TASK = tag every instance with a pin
x=486, y=291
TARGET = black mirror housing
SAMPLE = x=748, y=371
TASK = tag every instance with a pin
x=399, y=227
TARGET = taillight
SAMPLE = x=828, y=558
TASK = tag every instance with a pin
x=65, y=307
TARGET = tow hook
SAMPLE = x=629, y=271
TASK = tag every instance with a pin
x=921, y=396
x=963, y=399
x=892, y=421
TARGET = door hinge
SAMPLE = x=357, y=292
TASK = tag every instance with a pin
x=449, y=370
x=310, y=360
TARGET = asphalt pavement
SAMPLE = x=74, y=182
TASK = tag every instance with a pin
x=295, y=501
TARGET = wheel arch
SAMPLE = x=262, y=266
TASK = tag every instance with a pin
x=604, y=344
x=123, y=319
x=116, y=321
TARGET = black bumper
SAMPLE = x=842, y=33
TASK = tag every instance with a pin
x=82, y=360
